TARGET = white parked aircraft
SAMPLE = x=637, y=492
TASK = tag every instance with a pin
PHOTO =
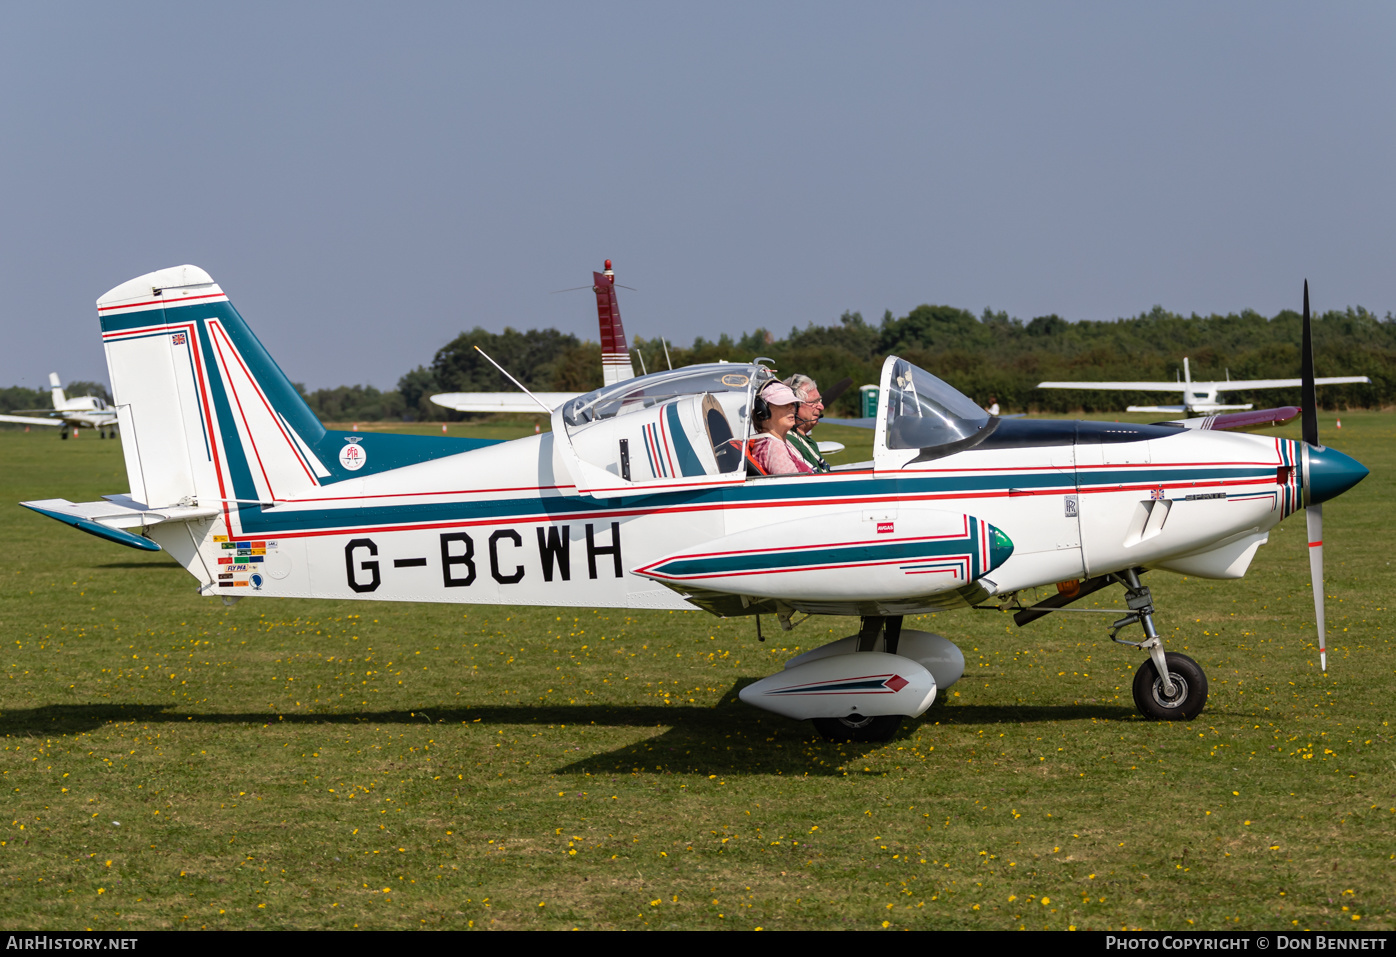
x=1199, y=397
x=615, y=361
x=84, y=412
x=639, y=497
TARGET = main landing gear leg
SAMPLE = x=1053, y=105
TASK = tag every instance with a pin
x=857, y=727
x=1169, y=686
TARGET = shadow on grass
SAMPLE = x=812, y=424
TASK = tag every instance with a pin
x=727, y=738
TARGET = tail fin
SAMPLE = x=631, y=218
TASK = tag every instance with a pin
x=615, y=351
x=56, y=388
x=206, y=416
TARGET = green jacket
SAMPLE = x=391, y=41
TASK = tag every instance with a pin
x=808, y=450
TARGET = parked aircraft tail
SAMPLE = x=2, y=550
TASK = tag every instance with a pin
x=615, y=351
x=207, y=415
x=56, y=388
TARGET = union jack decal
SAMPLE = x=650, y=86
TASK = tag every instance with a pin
x=177, y=339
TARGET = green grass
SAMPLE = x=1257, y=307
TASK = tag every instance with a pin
x=167, y=762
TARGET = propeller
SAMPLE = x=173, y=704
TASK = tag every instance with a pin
x=1326, y=473
x=831, y=395
x=1313, y=514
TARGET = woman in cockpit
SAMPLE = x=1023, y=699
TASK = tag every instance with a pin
x=773, y=414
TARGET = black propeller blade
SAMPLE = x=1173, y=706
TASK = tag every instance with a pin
x=831, y=396
x=1313, y=514
x=1308, y=393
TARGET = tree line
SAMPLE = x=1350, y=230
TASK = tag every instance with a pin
x=991, y=354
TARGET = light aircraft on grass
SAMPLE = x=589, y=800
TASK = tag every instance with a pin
x=83, y=412
x=1200, y=397
x=639, y=498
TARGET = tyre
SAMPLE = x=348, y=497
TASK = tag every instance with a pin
x=1189, y=687
x=855, y=727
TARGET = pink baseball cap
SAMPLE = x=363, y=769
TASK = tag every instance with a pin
x=778, y=393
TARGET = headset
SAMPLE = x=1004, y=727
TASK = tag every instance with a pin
x=760, y=410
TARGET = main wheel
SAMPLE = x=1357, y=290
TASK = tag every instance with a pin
x=856, y=727
x=1189, y=689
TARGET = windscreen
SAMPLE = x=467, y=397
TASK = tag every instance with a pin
x=924, y=412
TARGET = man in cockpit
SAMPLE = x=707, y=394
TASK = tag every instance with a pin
x=807, y=415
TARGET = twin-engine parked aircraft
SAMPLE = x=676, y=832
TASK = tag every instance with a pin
x=639, y=498
x=1200, y=397
x=84, y=412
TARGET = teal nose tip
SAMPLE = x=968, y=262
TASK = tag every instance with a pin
x=1331, y=473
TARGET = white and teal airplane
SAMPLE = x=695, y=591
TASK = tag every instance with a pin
x=640, y=497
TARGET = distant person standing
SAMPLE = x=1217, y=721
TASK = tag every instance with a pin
x=807, y=416
x=993, y=407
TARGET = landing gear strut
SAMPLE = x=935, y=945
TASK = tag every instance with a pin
x=1167, y=687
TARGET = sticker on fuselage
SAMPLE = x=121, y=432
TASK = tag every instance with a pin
x=352, y=456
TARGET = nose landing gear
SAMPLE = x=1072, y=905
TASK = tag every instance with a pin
x=1169, y=686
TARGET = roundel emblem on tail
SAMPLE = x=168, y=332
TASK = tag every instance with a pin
x=353, y=456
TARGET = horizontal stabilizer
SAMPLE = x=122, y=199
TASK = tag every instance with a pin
x=109, y=519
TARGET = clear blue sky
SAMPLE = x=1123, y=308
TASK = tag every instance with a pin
x=367, y=180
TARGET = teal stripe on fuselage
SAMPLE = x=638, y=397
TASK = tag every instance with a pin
x=792, y=491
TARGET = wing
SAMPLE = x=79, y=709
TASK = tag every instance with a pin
x=500, y=401
x=1239, y=421
x=26, y=420
x=1119, y=386
x=1235, y=384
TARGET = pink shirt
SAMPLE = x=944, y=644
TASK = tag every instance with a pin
x=775, y=456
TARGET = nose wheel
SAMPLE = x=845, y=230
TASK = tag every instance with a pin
x=1182, y=698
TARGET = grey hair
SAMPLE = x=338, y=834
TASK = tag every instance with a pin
x=801, y=385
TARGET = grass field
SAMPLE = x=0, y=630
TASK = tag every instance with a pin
x=171, y=762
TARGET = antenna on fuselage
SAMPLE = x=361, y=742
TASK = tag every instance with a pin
x=516, y=382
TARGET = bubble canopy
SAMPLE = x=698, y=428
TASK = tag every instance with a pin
x=643, y=392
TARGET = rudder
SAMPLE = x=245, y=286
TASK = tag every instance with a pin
x=206, y=414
